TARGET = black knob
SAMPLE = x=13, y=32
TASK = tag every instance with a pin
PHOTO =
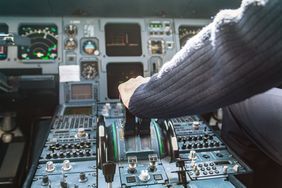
x=58, y=145
x=189, y=146
x=75, y=154
x=183, y=146
x=62, y=155
x=87, y=152
x=82, y=177
x=82, y=144
x=64, y=184
x=211, y=144
x=45, y=180
x=81, y=154
x=55, y=155
x=48, y=156
x=77, y=146
x=68, y=154
x=88, y=143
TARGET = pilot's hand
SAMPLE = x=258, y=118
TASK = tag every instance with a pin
x=127, y=88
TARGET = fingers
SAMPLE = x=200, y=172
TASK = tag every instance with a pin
x=128, y=88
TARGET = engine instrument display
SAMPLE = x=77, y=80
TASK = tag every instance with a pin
x=3, y=50
x=44, y=42
x=123, y=39
x=89, y=69
x=186, y=32
x=81, y=92
x=118, y=73
x=74, y=110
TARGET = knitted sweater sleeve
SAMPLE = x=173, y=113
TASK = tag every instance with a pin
x=235, y=57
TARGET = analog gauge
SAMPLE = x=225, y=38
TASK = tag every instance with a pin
x=186, y=32
x=44, y=42
x=89, y=69
x=70, y=44
x=89, y=47
x=71, y=30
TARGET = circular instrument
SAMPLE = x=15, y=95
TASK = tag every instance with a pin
x=89, y=70
x=71, y=30
x=70, y=44
x=89, y=47
x=44, y=42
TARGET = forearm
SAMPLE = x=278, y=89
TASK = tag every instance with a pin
x=235, y=57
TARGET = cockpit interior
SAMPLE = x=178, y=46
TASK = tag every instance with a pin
x=62, y=122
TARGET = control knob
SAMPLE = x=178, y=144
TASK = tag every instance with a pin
x=45, y=180
x=66, y=165
x=82, y=177
x=50, y=167
x=71, y=30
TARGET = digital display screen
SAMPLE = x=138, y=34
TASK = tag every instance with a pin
x=81, y=110
x=44, y=42
x=81, y=92
x=186, y=32
x=222, y=163
x=3, y=49
x=118, y=73
x=123, y=39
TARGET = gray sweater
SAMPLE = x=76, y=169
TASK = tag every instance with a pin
x=235, y=57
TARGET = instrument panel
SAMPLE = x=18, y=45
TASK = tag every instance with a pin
x=85, y=150
x=105, y=51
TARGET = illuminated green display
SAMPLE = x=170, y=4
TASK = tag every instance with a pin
x=156, y=25
x=44, y=42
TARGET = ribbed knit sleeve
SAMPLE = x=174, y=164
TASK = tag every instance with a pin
x=235, y=57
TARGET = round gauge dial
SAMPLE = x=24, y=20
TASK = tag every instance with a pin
x=71, y=30
x=44, y=42
x=70, y=44
x=89, y=47
x=89, y=70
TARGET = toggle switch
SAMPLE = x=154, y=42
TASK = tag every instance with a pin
x=132, y=164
